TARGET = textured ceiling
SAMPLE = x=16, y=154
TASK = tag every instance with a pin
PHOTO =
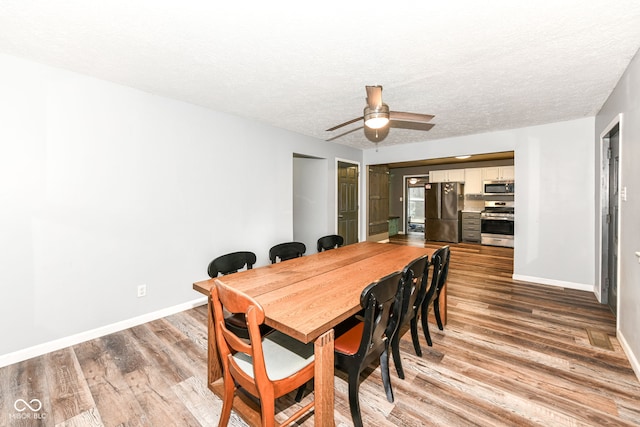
x=477, y=66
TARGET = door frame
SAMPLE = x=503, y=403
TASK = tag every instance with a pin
x=336, y=191
x=405, y=202
x=603, y=208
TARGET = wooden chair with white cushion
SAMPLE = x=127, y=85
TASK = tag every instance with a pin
x=266, y=367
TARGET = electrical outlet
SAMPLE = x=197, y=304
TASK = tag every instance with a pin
x=142, y=290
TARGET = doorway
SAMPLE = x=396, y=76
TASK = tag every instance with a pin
x=610, y=199
x=414, y=203
x=311, y=217
x=347, y=204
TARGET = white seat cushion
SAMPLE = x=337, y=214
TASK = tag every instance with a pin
x=283, y=356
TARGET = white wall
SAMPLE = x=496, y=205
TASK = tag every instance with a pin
x=310, y=193
x=625, y=100
x=554, y=238
x=554, y=205
x=105, y=188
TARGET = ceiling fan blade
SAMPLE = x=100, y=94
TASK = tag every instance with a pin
x=410, y=117
x=411, y=125
x=344, y=124
x=374, y=97
x=344, y=133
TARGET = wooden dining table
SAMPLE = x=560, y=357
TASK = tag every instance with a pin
x=306, y=298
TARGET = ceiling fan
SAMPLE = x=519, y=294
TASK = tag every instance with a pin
x=377, y=115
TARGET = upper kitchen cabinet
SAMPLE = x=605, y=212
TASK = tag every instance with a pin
x=498, y=173
x=473, y=181
x=451, y=175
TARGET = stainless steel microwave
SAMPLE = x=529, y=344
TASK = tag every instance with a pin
x=504, y=188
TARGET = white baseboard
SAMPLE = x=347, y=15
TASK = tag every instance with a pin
x=48, y=347
x=552, y=282
x=635, y=364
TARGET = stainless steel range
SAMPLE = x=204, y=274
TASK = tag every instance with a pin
x=497, y=223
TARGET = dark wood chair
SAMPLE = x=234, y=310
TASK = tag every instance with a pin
x=414, y=280
x=440, y=270
x=369, y=339
x=231, y=263
x=228, y=264
x=286, y=251
x=331, y=241
x=267, y=367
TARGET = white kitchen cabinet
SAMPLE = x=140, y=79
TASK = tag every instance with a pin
x=473, y=181
x=438, y=176
x=498, y=173
x=456, y=175
x=447, y=175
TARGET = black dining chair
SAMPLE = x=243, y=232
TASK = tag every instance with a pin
x=331, y=241
x=231, y=263
x=286, y=251
x=228, y=264
x=368, y=340
x=440, y=271
x=414, y=280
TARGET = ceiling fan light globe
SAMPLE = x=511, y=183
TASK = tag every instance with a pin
x=376, y=122
x=376, y=118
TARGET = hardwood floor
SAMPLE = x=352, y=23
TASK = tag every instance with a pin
x=512, y=353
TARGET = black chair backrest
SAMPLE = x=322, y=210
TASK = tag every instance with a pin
x=331, y=241
x=381, y=311
x=446, y=255
x=414, y=278
x=285, y=251
x=231, y=263
x=440, y=263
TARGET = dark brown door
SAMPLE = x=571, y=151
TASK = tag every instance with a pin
x=348, y=202
x=378, y=200
x=613, y=216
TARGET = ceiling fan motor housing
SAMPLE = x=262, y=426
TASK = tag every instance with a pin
x=376, y=118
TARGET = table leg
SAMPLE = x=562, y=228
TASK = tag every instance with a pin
x=323, y=381
x=443, y=305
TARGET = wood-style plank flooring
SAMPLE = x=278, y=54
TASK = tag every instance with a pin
x=512, y=354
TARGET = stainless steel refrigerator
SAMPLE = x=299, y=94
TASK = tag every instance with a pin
x=443, y=203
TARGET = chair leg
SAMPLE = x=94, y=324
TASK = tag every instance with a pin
x=395, y=350
x=414, y=336
x=227, y=401
x=425, y=324
x=386, y=378
x=354, y=399
x=268, y=410
x=436, y=311
x=300, y=393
